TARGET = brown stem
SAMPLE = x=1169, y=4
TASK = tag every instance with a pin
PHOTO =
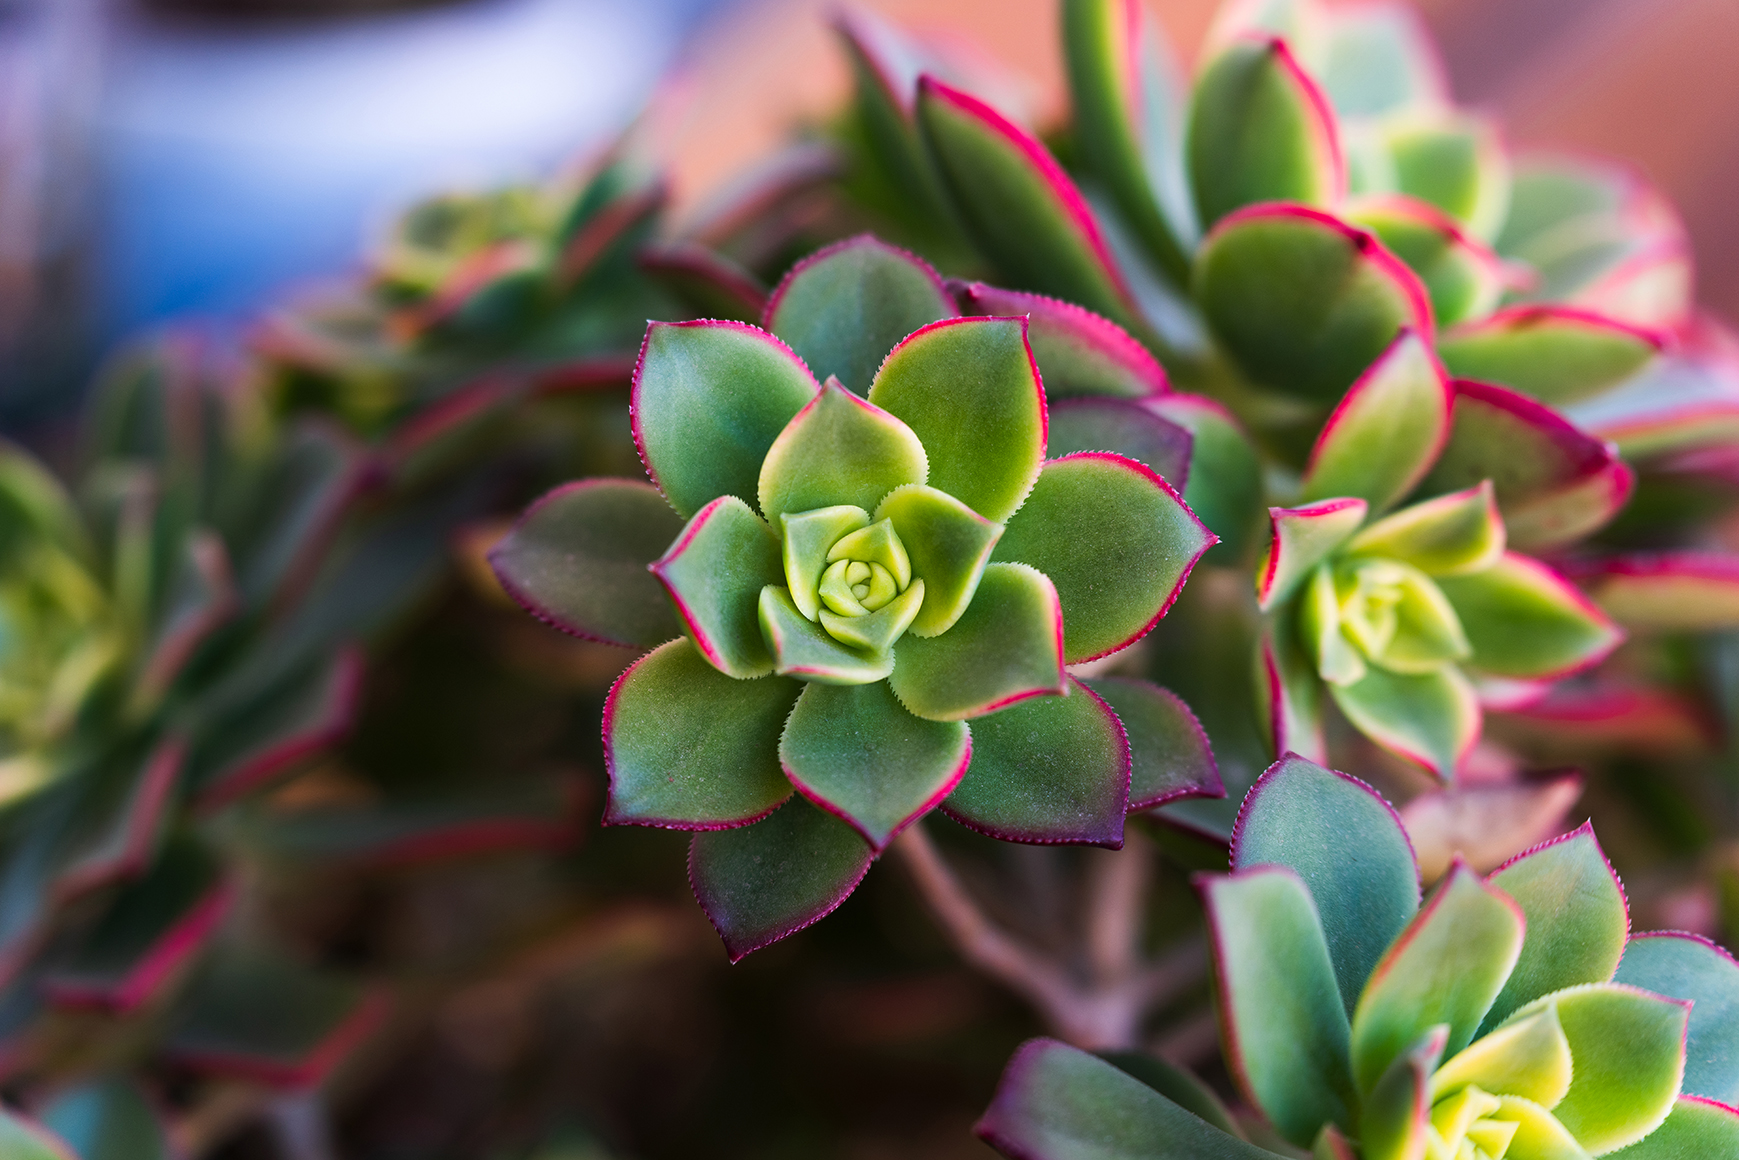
x=1116, y=899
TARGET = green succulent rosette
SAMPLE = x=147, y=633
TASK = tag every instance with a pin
x=875, y=584
x=1510, y=1017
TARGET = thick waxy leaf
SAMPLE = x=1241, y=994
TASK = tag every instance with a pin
x=108, y=1120
x=970, y=391
x=1578, y=920
x=1429, y=718
x=1679, y=401
x=1554, y=483
x=1078, y=352
x=1668, y=591
x=1170, y=758
x=1116, y=541
x=1225, y=476
x=1395, y=1119
x=1529, y=1057
x=1696, y=1128
x=714, y=573
x=762, y=882
x=1446, y=967
x=1526, y=621
x=838, y=450
x=1538, y=1133
x=856, y=753
x=948, y=545
x=1379, y=58
x=689, y=748
x=842, y=309
x=1455, y=162
x=1288, y=693
x=1019, y=206
x=1124, y=427
x=1048, y=770
x=1176, y=1084
x=808, y=537
x=801, y=648
x=1686, y=966
x=1463, y=278
x=1006, y=647
x=1348, y=846
x=1300, y=539
x=1281, y=1018
x=1557, y=354
x=1383, y=437
x=709, y=399
x=1304, y=301
x=22, y=1139
x=1261, y=130
x=710, y=284
x=1058, y=1103
x=1451, y=535
x=577, y=560
x=1629, y=1052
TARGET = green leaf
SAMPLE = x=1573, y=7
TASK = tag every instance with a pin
x=1299, y=539
x=714, y=573
x=875, y=632
x=1288, y=693
x=1176, y=1084
x=689, y=748
x=577, y=559
x=1382, y=439
x=1169, y=755
x=759, y=883
x=1281, y=1018
x=1695, y=1129
x=1019, y=206
x=1347, y=845
x=1225, y=476
x=1124, y=427
x=855, y=752
x=1538, y=1133
x=1446, y=967
x=1668, y=591
x=969, y=389
x=1685, y=966
x=1557, y=354
x=1058, y=1103
x=1128, y=123
x=1451, y=535
x=1303, y=301
x=1047, y=770
x=1260, y=130
x=948, y=544
x=838, y=450
x=1578, y=921
x=1116, y=541
x=1377, y=59
x=708, y=284
x=1457, y=163
x=22, y=1139
x=1528, y=1057
x=106, y=1120
x=1464, y=279
x=1526, y=621
x=1629, y=1051
x=803, y=649
x=709, y=399
x=808, y=537
x=1078, y=352
x=1432, y=719
x=1007, y=646
x=1394, y=1122
x=843, y=308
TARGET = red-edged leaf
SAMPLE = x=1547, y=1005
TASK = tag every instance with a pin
x=1557, y=354
x=711, y=284
x=1686, y=399
x=1301, y=538
x=1123, y=427
x=1666, y=591
x=1170, y=756
x=201, y=600
x=1463, y=277
x=1078, y=352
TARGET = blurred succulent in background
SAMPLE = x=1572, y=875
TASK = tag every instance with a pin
x=1511, y=1016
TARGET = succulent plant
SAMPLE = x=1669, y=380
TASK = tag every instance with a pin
x=906, y=559
x=1509, y=1016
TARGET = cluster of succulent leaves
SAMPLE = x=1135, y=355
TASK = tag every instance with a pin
x=1514, y=1015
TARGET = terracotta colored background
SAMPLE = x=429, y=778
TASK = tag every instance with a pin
x=1653, y=82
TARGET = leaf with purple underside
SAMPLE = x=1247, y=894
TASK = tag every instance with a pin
x=714, y=573
x=1078, y=352
x=1527, y=622
x=1123, y=427
x=1169, y=754
x=1557, y=354
x=1386, y=432
x=1006, y=647
x=1300, y=538
x=1688, y=966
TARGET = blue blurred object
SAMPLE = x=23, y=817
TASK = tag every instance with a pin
x=234, y=163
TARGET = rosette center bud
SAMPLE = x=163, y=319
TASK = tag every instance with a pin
x=851, y=576
x=1377, y=611
x=1473, y=1125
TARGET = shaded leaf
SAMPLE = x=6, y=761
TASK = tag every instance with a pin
x=1557, y=354
x=1170, y=758
x=714, y=573
x=1124, y=427
x=1687, y=966
x=1526, y=621
x=1078, y=352
x=1386, y=432
x=1431, y=719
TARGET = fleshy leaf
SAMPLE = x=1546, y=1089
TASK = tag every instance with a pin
x=1432, y=719
x=1538, y=1133
x=1078, y=352
x=710, y=284
x=1225, y=476
x=876, y=632
x=948, y=544
x=1463, y=278
x=1394, y=1121
x=1668, y=591
x=1125, y=428
x=1451, y=535
x=856, y=753
x=709, y=399
x=1454, y=161
x=106, y=1120
x=1554, y=484
x=803, y=649
x=1557, y=354
x=577, y=560
x=970, y=391
x=1182, y=1087
x=808, y=536
x=1170, y=758
x=1058, y=1103
x=1288, y=693
x=1301, y=538
x=1526, y=621
x=838, y=450
x=1116, y=541
x=1018, y=204
x=759, y=883
x=1446, y=967
x=1686, y=966
x=842, y=309
x=1349, y=848
x=1386, y=433
x=1303, y=300
x=1528, y=1057
x=1379, y=58
x=1695, y=1128
x=1048, y=770
x=689, y=748
x=1282, y=1023
x=1629, y=1052
x=1260, y=130
x=714, y=573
